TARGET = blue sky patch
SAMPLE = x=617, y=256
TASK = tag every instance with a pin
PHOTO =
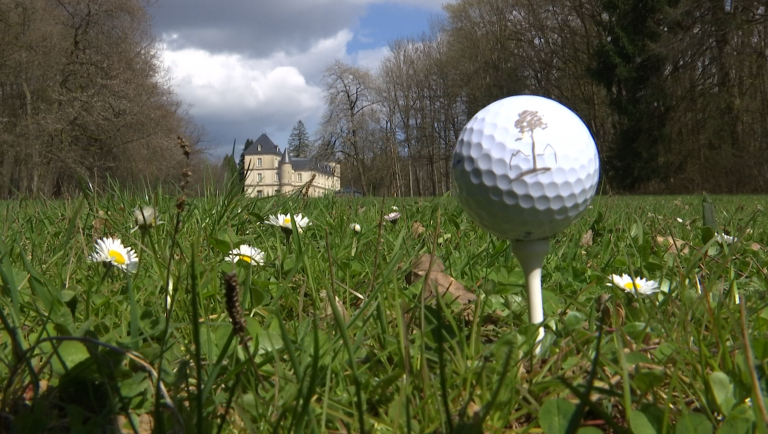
x=385, y=22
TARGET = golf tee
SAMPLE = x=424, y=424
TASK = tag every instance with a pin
x=531, y=255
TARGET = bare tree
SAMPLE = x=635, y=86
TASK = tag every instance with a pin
x=83, y=93
x=348, y=119
x=675, y=93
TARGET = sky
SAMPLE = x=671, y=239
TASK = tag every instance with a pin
x=246, y=67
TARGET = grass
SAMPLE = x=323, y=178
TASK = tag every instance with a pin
x=83, y=347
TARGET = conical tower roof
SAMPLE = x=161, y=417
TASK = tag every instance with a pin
x=286, y=158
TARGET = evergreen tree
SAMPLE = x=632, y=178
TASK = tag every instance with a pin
x=631, y=69
x=229, y=166
x=298, y=142
x=241, y=162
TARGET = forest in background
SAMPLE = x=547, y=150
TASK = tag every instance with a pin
x=83, y=95
x=674, y=91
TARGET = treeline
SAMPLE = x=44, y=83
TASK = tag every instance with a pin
x=675, y=92
x=83, y=94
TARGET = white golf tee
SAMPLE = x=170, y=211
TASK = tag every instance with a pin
x=531, y=255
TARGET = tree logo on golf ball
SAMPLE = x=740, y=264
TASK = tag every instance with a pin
x=527, y=122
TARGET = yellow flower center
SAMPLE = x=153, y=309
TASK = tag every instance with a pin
x=629, y=285
x=287, y=221
x=245, y=258
x=117, y=257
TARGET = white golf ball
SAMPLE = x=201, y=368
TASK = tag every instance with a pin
x=525, y=167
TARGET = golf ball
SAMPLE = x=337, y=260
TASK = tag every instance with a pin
x=525, y=167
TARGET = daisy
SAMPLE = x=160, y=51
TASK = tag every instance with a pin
x=394, y=208
x=644, y=287
x=111, y=251
x=355, y=227
x=170, y=293
x=284, y=221
x=392, y=217
x=725, y=239
x=246, y=253
x=145, y=217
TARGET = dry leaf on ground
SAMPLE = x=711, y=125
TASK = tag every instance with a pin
x=586, y=240
x=417, y=229
x=438, y=280
x=144, y=426
x=673, y=245
x=421, y=264
x=328, y=311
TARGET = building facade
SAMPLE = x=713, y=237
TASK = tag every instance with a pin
x=270, y=171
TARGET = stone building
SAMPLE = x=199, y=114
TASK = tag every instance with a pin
x=268, y=171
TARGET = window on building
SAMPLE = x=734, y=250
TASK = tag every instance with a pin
x=258, y=162
x=298, y=177
x=258, y=177
x=277, y=162
x=277, y=177
x=259, y=193
x=258, y=147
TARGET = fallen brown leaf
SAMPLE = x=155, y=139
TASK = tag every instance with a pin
x=673, y=244
x=144, y=426
x=417, y=229
x=328, y=311
x=438, y=280
x=586, y=240
x=473, y=408
x=100, y=223
x=421, y=263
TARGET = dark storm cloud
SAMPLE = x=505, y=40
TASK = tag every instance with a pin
x=254, y=28
x=221, y=132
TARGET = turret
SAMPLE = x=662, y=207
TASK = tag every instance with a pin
x=286, y=173
x=336, y=179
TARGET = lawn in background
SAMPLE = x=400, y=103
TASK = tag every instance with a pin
x=339, y=337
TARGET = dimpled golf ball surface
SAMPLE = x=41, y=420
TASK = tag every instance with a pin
x=501, y=186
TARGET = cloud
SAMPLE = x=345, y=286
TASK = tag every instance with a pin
x=259, y=28
x=249, y=27
x=238, y=96
x=252, y=66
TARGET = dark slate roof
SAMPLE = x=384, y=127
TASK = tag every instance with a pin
x=267, y=147
x=286, y=158
x=301, y=164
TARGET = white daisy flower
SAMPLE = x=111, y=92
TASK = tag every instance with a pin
x=170, y=293
x=284, y=221
x=644, y=287
x=111, y=251
x=145, y=217
x=392, y=217
x=725, y=239
x=679, y=220
x=355, y=227
x=394, y=208
x=246, y=253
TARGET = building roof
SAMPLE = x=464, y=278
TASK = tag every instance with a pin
x=299, y=164
x=304, y=164
x=262, y=146
x=286, y=158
